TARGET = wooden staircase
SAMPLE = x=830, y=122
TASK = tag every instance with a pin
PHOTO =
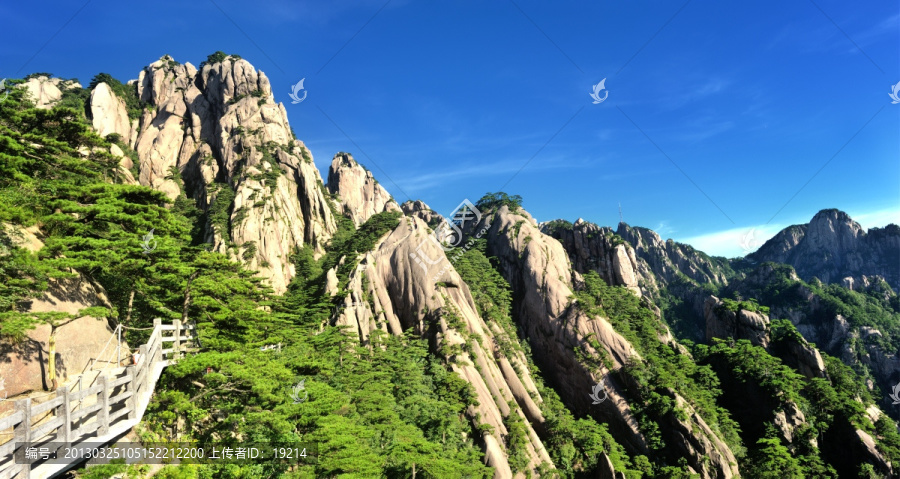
x=100, y=413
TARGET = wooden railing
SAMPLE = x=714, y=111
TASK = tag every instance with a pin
x=110, y=407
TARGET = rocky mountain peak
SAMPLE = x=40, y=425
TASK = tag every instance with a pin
x=218, y=133
x=833, y=247
x=359, y=193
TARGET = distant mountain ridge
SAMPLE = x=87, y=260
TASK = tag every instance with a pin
x=832, y=247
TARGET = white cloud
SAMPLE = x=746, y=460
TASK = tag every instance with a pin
x=736, y=242
x=733, y=242
x=878, y=218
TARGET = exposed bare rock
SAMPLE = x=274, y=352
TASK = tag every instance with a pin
x=360, y=195
x=538, y=265
x=666, y=259
x=125, y=165
x=607, y=471
x=424, y=212
x=24, y=367
x=832, y=247
x=866, y=444
x=109, y=113
x=391, y=292
x=805, y=358
x=220, y=129
x=596, y=248
x=742, y=324
x=789, y=419
x=45, y=91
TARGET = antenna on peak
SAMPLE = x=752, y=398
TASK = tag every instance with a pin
x=620, y=213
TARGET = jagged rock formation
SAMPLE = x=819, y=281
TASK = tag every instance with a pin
x=742, y=324
x=359, y=193
x=596, y=248
x=537, y=265
x=666, y=260
x=832, y=247
x=46, y=91
x=423, y=211
x=753, y=326
x=219, y=131
x=391, y=292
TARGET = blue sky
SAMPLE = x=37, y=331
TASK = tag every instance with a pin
x=721, y=117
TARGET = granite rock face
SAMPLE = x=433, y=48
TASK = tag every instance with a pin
x=742, y=324
x=390, y=292
x=217, y=133
x=108, y=113
x=423, y=211
x=832, y=247
x=360, y=195
x=595, y=248
x=46, y=91
x=538, y=265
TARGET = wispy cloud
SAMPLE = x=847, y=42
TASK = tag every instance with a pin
x=439, y=178
x=733, y=242
x=878, y=218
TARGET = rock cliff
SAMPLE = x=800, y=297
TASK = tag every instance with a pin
x=46, y=91
x=832, y=247
x=358, y=192
x=561, y=335
x=217, y=135
x=596, y=248
x=391, y=292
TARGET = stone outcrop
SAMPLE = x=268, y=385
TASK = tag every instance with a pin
x=666, y=260
x=391, y=292
x=218, y=134
x=359, y=194
x=109, y=114
x=753, y=326
x=741, y=324
x=424, y=212
x=595, y=248
x=78, y=341
x=46, y=91
x=832, y=247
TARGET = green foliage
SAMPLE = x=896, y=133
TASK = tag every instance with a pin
x=553, y=227
x=663, y=368
x=217, y=57
x=492, y=201
x=490, y=291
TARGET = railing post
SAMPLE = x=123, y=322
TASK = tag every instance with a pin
x=103, y=399
x=145, y=367
x=22, y=434
x=64, y=432
x=131, y=402
x=176, y=346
